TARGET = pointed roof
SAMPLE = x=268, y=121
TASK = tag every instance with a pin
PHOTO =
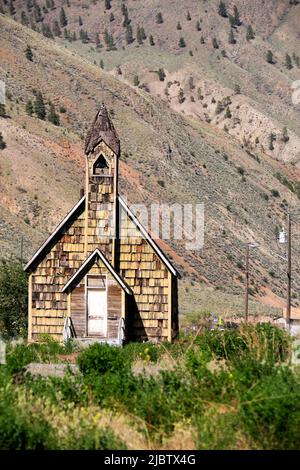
x=102, y=129
x=86, y=265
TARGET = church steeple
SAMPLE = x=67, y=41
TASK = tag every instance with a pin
x=102, y=129
x=102, y=149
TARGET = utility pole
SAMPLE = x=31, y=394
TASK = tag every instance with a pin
x=289, y=272
x=247, y=284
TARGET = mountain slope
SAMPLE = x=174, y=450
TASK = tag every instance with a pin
x=167, y=155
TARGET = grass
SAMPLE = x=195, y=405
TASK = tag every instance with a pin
x=231, y=389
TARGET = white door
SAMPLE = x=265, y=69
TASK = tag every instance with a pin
x=97, y=312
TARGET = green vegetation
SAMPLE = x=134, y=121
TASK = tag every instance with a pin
x=215, y=43
x=29, y=108
x=288, y=62
x=231, y=389
x=13, y=299
x=2, y=110
x=63, y=18
x=159, y=18
x=39, y=106
x=222, y=10
x=250, y=33
x=231, y=37
x=270, y=57
x=2, y=142
x=53, y=116
x=181, y=42
x=28, y=53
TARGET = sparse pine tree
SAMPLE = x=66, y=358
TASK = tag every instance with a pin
x=29, y=53
x=107, y=4
x=250, y=33
x=119, y=70
x=202, y=40
x=53, y=116
x=46, y=30
x=136, y=80
x=222, y=10
x=97, y=41
x=179, y=27
x=126, y=20
x=188, y=16
x=139, y=35
x=111, y=17
x=285, y=136
x=161, y=74
x=181, y=42
x=101, y=64
x=39, y=106
x=181, y=97
x=272, y=138
x=151, y=40
x=231, y=21
x=191, y=83
x=129, y=36
x=56, y=29
x=198, y=26
x=228, y=114
x=63, y=18
x=236, y=15
x=24, y=19
x=29, y=5
x=237, y=89
x=159, y=18
x=2, y=110
x=231, y=38
x=29, y=108
x=270, y=57
x=2, y=142
x=80, y=22
x=215, y=43
x=37, y=13
x=12, y=10
x=288, y=62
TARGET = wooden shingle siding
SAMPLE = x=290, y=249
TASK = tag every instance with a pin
x=148, y=277
x=78, y=310
x=51, y=274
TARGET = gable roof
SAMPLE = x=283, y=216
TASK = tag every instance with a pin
x=102, y=129
x=77, y=209
x=97, y=254
x=150, y=240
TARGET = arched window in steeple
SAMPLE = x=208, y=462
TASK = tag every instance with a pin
x=101, y=166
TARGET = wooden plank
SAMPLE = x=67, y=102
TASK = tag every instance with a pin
x=30, y=307
x=170, y=300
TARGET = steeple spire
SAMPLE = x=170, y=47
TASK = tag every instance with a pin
x=102, y=129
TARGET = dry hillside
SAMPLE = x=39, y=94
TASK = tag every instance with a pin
x=197, y=124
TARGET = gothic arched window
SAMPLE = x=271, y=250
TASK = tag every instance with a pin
x=100, y=166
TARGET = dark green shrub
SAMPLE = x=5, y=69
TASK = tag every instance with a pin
x=102, y=358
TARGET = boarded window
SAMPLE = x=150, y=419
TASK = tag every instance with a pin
x=98, y=282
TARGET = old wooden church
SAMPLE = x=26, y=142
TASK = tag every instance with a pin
x=100, y=276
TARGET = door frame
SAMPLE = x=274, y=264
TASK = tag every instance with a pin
x=86, y=289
